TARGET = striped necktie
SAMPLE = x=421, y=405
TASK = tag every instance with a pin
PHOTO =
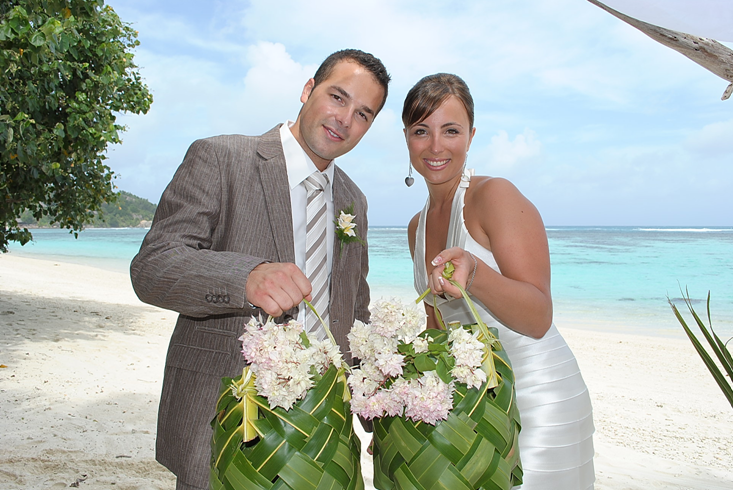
x=316, y=253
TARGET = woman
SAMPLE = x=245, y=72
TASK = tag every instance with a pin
x=496, y=240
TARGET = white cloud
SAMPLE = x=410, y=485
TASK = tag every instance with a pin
x=273, y=84
x=713, y=140
x=505, y=153
x=619, y=117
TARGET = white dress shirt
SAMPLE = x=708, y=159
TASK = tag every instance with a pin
x=299, y=167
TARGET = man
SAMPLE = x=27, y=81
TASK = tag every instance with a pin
x=229, y=241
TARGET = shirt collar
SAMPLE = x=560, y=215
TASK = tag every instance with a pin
x=298, y=163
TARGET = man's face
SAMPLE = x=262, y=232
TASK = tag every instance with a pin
x=337, y=113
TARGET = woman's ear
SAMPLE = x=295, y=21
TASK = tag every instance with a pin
x=470, y=138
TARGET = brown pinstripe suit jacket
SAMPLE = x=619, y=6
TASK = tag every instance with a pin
x=226, y=211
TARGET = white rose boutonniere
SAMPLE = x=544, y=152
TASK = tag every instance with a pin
x=346, y=227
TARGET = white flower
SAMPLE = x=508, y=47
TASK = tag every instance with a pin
x=359, y=340
x=282, y=365
x=391, y=319
x=346, y=223
x=390, y=363
x=420, y=345
x=471, y=376
x=361, y=384
x=466, y=348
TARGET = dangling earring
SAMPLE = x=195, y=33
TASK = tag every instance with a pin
x=409, y=180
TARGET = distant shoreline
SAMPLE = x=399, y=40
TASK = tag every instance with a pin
x=35, y=226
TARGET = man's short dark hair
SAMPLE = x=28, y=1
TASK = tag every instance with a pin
x=367, y=60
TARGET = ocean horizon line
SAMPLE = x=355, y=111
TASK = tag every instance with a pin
x=681, y=228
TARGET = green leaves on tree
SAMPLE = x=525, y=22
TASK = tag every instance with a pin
x=67, y=71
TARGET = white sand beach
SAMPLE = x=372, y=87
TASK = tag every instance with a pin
x=81, y=365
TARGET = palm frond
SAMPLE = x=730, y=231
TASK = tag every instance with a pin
x=311, y=446
x=718, y=347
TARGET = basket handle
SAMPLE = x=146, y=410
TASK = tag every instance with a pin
x=325, y=327
x=489, y=338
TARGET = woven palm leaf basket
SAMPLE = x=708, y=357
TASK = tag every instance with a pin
x=310, y=446
x=476, y=447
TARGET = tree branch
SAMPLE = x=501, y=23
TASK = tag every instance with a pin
x=708, y=53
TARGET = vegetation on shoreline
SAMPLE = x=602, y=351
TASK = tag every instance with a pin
x=128, y=211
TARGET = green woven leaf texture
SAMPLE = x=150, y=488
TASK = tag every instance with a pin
x=312, y=446
x=475, y=448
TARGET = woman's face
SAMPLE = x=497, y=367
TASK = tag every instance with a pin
x=438, y=145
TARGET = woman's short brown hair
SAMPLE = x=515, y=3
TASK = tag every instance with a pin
x=430, y=92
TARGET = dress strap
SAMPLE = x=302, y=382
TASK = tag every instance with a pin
x=456, y=235
x=419, y=268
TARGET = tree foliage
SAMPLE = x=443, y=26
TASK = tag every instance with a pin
x=67, y=70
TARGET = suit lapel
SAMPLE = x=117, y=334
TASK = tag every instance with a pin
x=276, y=189
x=274, y=178
x=343, y=197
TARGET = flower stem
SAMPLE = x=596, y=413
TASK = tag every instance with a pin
x=328, y=330
x=489, y=338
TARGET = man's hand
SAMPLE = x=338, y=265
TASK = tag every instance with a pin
x=277, y=287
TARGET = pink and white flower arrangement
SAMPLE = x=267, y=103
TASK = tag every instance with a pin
x=409, y=371
x=285, y=360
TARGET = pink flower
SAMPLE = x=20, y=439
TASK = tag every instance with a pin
x=428, y=399
x=391, y=364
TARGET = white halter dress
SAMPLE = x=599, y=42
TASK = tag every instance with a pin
x=556, y=440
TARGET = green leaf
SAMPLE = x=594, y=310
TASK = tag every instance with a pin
x=406, y=349
x=723, y=383
x=38, y=39
x=6, y=32
x=443, y=370
x=435, y=335
x=301, y=473
x=424, y=363
x=435, y=348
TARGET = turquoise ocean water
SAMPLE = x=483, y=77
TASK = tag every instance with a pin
x=618, y=278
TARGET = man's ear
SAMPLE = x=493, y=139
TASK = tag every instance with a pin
x=307, y=90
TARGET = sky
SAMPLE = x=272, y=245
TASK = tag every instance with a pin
x=593, y=121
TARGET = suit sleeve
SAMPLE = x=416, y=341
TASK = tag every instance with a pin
x=176, y=267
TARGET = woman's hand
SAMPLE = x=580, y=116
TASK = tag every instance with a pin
x=465, y=265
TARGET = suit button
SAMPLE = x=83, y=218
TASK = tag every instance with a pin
x=226, y=299
x=209, y=298
x=219, y=298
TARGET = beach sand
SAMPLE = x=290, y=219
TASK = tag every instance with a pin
x=82, y=363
